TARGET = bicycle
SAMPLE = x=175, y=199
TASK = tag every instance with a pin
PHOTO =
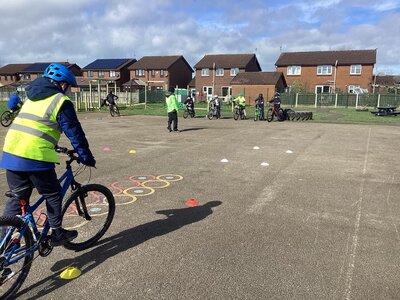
x=211, y=110
x=275, y=111
x=89, y=209
x=239, y=113
x=114, y=110
x=8, y=117
x=258, y=114
x=188, y=112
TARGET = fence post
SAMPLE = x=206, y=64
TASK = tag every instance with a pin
x=297, y=99
x=379, y=100
x=357, y=100
x=316, y=99
x=336, y=96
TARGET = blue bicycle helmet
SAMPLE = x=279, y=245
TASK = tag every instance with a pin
x=60, y=72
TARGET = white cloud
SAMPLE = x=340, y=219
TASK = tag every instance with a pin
x=83, y=30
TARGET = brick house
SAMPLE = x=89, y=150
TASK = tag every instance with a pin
x=161, y=72
x=251, y=84
x=105, y=74
x=23, y=74
x=12, y=73
x=214, y=72
x=328, y=71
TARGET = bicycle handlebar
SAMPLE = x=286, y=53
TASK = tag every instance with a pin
x=65, y=150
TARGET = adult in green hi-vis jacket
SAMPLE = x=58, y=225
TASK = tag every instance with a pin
x=172, y=109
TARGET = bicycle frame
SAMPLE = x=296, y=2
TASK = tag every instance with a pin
x=67, y=180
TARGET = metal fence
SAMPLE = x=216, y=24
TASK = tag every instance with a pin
x=340, y=100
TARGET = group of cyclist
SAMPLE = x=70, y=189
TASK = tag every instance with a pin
x=214, y=104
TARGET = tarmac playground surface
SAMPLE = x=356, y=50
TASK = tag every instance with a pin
x=287, y=210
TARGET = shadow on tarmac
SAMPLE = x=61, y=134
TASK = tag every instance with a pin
x=125, y=240
x=192, y=129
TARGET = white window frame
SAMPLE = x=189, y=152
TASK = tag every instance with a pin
x=219, y=72
x=322, y=88
x=351, y=88
x=90, y=73
x=101, y=73
x=355, y=69
x=161, y=73
x=113, y=73
x=324, y=70
x=234, y=71
x=205, y=72
x=293, y=70
x=139, y=73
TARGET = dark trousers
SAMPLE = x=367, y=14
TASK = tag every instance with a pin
x=173, y=118
x=218, y=111
x=47, y=185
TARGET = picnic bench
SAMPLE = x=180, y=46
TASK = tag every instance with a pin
x=386, y=111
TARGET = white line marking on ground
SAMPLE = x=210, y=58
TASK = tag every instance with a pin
x=391, y=215
x=353, y=248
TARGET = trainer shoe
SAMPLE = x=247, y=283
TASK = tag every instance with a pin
x=60, y=236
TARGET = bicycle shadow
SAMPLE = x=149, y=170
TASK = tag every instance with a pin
x=125, y=240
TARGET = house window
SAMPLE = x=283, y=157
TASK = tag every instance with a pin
x=101, y=73
x=139, y=72
x=113, y=74
x=355, y=70
x=153, y=73
x=90, y=73
x=226, y=91
x=27, y=76
x=234, y=71
x=294, y=70
x=205, y=72
x=353, y=88
x=161, y=73
x=322, y=89
x=219, y=72
x=324, y=70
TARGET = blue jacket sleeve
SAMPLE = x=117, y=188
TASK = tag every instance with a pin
x=70, y=125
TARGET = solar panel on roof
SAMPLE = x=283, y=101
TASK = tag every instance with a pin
x=39, y=67
x=106, y=63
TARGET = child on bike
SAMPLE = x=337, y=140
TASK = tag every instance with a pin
x=110, y=99
x=15, y=102
x=259, y=102
x=241, y=101
x=189, y=104
x=276, y=101
x=29, y=156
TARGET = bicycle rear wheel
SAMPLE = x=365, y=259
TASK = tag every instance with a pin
x=6, y=118
x=12, y=276
x=99, y=203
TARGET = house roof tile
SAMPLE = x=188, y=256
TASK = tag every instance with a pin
x=12, y=69
x=313, y=58
x=257, y=78
x=226, y=61
x=157, y=62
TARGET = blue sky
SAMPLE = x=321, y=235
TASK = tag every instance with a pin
x=80, y=31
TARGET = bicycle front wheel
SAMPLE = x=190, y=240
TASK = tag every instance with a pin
x=90, y=210
x=185, y=114
x=6, y=118
x=270, y=115
x=210, y=115
x=14, y=269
